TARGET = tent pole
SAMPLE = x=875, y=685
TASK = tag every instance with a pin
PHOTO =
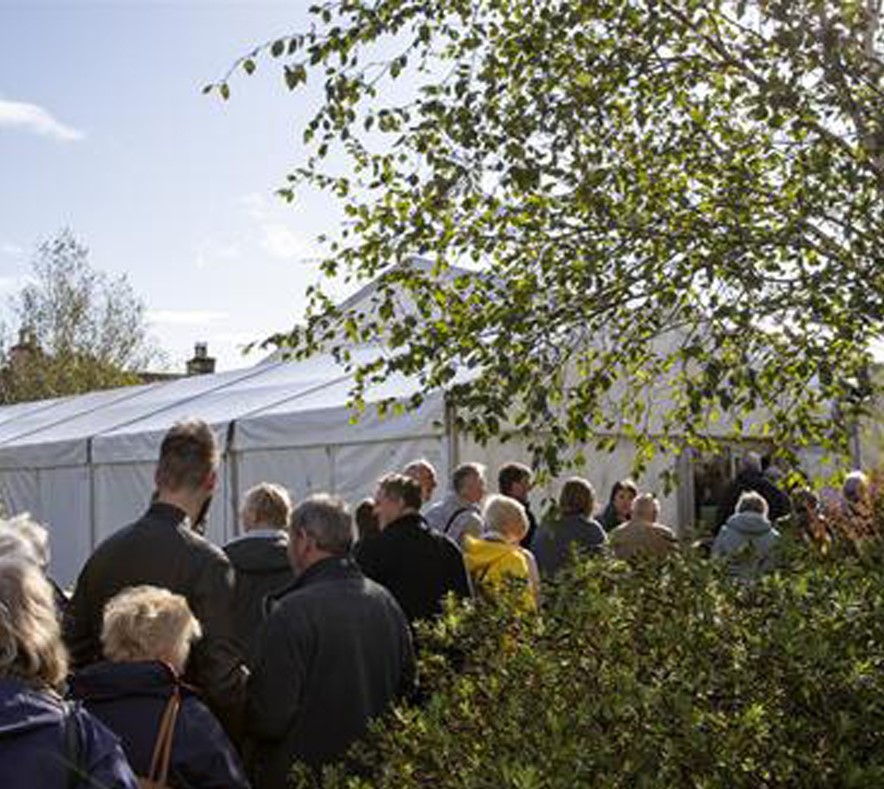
x=451, y=434
x=233, y=483
x=93, y=508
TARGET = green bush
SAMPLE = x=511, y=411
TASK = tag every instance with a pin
x=653, y=675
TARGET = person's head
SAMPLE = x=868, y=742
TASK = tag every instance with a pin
x=515, y=480
x=367, y=523
x=468, y=482
x=577, y=497
x=623, y=493
x=805, y=502
x=30, y=640
x=149, y=623
x=751, y=463
x=321, y=527
x=23, y=536
x=750, y=501
x=422, y=471
x=187, y=469
x=397, y=495
x=266, y=506
x=646, y=508
x=506, y=516
x=856, y=488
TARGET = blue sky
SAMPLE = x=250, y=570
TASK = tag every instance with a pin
x=103, y=129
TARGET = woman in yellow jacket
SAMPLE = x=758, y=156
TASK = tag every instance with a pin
x=496, y=557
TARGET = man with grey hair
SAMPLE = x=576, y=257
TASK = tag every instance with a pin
x=459, y=513
x=642, y=535
x=334, y=654
x=751, y=477
x=747, y=541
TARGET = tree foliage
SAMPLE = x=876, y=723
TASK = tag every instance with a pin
x=668, y=200
x=81, y=329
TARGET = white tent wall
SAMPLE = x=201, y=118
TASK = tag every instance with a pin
x=58, y=498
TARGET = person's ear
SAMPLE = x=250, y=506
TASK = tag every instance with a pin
x=211, y=481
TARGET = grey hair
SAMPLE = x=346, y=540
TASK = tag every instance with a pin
x=22, y=536
x=463, y=472
x=646, y=506
x=328, y=521
x=751, y=461
x=750, y=501
x=506, y=516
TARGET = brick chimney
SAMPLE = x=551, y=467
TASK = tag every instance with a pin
x=26, y=347
x=202, y=363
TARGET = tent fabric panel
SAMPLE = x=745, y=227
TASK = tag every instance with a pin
x=322, y=418
x=66, y=511
x=19, y=490
x=301, y=471
x=51, y=454
x=140, y=447
x=357, y=468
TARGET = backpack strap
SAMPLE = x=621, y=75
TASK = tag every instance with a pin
x=454, y=516
x=162, y=750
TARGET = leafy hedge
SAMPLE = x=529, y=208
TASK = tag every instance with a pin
x=656, y=675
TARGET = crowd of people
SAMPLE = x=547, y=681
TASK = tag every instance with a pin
x=179, y=663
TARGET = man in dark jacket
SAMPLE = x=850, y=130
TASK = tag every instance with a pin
x=515, y=480
x=260, y=558
x=333, y=655
x=752, y=478
x=162, y=549
x=417, y=565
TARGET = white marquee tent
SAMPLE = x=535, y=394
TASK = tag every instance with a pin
x=84, y=465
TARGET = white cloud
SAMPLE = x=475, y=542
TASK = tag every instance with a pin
x=185, y=317
x=36, y=119
x=276, y=237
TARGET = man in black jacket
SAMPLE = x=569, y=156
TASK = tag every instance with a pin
x=417, y=565
x=260, y=558
x=751, y=477
x=162, y=549
x=334, y=654
x=515, y=480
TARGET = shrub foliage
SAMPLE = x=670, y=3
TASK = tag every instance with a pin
x=651, y=675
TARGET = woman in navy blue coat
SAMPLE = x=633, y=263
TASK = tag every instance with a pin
x=44, y=741
x=147, y=635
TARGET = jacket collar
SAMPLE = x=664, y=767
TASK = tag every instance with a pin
x=332, y=568
x=167, y=513
x=408, y=521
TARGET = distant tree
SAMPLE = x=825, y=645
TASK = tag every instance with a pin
x=677, y=205
x=79, y=328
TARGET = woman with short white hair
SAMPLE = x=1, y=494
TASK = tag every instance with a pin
x=748, y=541
x=146, y=636
x=495, y=559
x=45, y=742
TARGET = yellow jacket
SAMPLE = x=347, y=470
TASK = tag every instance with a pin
x=491, y=560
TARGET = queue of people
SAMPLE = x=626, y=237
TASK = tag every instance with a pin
x=187, y=665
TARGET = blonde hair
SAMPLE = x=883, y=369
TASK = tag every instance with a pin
x=23, y=536
x=30, y=639
x=267, y=504
x=506, y=516
x=148, y=623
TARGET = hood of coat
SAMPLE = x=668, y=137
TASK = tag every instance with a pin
x=259, y=553
x=749, y=523
x=479, y=553
x=107, y=680
x=23, y=709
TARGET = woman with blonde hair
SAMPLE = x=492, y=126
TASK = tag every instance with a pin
x=496, y=559
x=44, y=741
x=146, y=636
